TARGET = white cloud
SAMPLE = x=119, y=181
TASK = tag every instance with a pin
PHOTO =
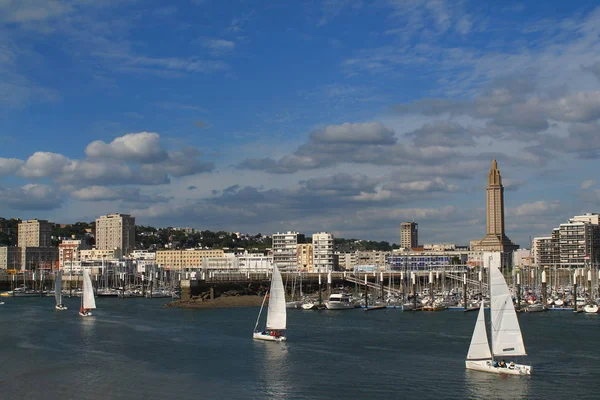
x=143, y=147
x=219, y=44
x=536, y=208
x=44, y=164
x=32, y=197
x=9, y=166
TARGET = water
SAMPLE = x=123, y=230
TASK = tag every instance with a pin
x=137, y=349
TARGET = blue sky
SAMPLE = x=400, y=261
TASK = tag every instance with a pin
x=347, y=116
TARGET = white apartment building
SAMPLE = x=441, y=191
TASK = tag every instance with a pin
x=34, y=233
x=323, y=251
x=115, y=231
x=579, y=244
x=284, y=250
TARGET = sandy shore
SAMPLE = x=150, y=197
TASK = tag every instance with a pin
x=219, y=302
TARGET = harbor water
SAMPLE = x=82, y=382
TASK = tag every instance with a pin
x=138, y=349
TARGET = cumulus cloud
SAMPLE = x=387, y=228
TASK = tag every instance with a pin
x=43, y=164
x=32, y=197
x=9, y=166
x=143, y=147
x=366, y=143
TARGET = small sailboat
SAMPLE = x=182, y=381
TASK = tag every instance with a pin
x=87, y=299
x=58, y=292
x=507, y=340
x=276, y=312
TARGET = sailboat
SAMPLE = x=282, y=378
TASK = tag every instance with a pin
x=507, y=340
x=87, y=299
x=276, y=312
x=58, y=292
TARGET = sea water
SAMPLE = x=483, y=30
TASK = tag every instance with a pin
x=138, y=349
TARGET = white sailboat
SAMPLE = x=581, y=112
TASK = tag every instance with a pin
x=507, y=340
x=88, y=302
x=58, y=292
x=276, y=312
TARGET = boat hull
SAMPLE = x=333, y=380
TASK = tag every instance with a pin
x=591, y=309
x=85, y=314
x=60, y=308
x=336, y=305
x=488, y=366
x=268, y=338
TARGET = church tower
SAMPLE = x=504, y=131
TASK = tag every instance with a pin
x=495, y=238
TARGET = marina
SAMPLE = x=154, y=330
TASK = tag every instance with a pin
x=184, y=354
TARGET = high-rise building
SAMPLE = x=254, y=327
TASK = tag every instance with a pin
x=284, y=250
x=34, y=233
x=304, y=256
x=409, y=235
x=116, y=231
x=495, y=238
x=323, y=251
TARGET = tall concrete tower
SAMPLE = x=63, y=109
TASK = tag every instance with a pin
x=495, y=238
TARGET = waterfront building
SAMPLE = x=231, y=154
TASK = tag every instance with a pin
x=545, y=251
x=115, y=231
x=522, y=258
x=99, y=255
x=409, y=235
x=420, y=260
x=284, y=250
x=323, y=252
x=495, y=238
x=579, y=244
x=10, y=258
x=69, y=251
x=304, y=257
x=185, y=259
x=33, y=258
x=439, y=247
x=347, y=261
x=373, y=257
x=34, y=233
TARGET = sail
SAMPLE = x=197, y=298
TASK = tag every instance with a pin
x=506, y=332
x=58, y=288
x=276, y=313
x=88, y=291
x=480, y=348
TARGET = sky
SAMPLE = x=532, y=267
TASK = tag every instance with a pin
x=344, y=116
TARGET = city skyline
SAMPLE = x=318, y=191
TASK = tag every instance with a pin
x=341, y=116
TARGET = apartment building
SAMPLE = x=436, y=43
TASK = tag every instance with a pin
x=10, y=258
x=409, y=235
x=323, y=251
x=181, y=259
x=115, y=231
x=34, y=233
x=304, y=256
x=284, y=247
x=69, y=251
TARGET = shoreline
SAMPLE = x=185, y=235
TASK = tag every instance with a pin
x=219, y=302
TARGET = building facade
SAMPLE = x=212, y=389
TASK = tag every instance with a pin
x=34, y=233
x=323, y=252
x=185, y=259
x=10, y=258
x=33, y=258
x=304, y=256
x=284, y=247
x=409, y=235
x=69, y=251
x=115, y=231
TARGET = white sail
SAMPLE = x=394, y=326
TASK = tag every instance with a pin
x=506, y=332
x=480, y=348
x=88, y=291
x=58, y=288
x=276, y=313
